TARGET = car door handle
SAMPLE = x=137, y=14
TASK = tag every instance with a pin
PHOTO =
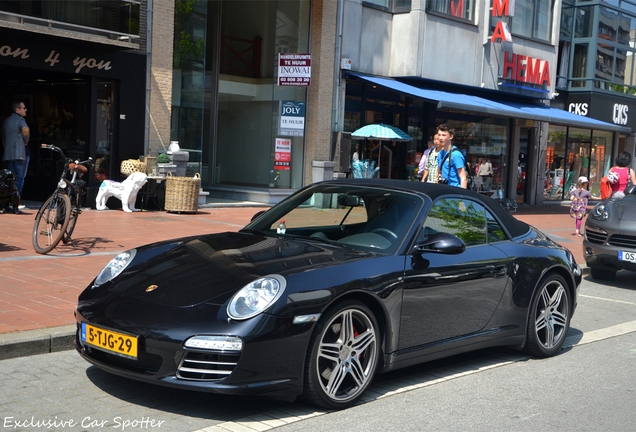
x=499, y=271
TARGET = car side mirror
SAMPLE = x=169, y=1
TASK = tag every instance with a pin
x=443, y=243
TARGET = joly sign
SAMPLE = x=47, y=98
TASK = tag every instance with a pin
x=517, y=67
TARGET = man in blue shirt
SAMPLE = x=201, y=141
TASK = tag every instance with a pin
x=452, y=167
x=15, y=134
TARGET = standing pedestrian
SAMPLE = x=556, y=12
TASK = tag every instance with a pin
x=15, y=134
x=432, y=166
x=579, y=198
x=424, y=159
x=452, y=164
x=621, y=174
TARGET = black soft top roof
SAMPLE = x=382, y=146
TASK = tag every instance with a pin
x=514, y=226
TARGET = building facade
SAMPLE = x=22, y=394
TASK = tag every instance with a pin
x=486, y=67
x=253, y=136
x=80, y=68
x=596, y=80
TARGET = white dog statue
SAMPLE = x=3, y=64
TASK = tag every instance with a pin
x=125, y=191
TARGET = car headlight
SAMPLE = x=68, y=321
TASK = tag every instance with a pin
x=114, y=267
x=600, y=212
x=256, y=297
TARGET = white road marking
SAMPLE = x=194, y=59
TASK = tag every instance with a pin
x=270, y=419
x=606, y=299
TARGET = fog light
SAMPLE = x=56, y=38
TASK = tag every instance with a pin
x=589, y=251
x=222, y=343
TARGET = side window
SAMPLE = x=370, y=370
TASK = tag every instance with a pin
x=495, y=232
x=463, y=218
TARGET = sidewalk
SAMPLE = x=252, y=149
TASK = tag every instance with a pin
x=38, y=293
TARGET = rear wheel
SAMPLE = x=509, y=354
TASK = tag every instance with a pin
x=549, y=318
x=343, y=356
x=602, y=274
x=71, y=226
x=51, y=223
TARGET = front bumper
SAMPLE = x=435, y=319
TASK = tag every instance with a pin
x=271, y=363
x=605, y=257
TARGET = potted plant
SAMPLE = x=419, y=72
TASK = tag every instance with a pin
x=165, y=165
x=163, y=158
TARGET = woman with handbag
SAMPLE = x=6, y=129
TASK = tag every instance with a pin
x=620, y=175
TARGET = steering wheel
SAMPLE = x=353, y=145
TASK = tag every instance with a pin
x=388, y=234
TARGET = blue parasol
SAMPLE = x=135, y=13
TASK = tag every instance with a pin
x=381, y=132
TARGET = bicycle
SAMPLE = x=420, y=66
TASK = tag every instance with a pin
x=57, y=217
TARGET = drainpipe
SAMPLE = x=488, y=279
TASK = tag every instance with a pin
x=149, y=11
x=335, y=112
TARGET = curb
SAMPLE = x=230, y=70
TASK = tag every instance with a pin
x=33, y=342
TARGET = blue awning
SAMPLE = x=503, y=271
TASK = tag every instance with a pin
x=464, y=102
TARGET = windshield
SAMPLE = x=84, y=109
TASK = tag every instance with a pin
x=371, y=219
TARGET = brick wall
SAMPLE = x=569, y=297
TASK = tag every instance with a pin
x=160, y=103
x=320, y=97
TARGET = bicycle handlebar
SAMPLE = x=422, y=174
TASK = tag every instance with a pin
x=69, y=160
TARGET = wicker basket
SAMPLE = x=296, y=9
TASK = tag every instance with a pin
x=130, y=166
x=182, y=193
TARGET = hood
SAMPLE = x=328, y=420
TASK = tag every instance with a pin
x=625, y=208
x=212, y=268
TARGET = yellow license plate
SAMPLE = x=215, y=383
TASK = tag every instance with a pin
x=111, y=341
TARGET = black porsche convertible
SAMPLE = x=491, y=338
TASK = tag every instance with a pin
x=342, y=280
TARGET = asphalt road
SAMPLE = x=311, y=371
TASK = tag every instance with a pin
x=590, y=386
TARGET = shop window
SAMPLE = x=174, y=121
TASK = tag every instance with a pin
x=393, y=6
x=599, y=159
x=485, y=146
x=555, y=163
x=463, y=9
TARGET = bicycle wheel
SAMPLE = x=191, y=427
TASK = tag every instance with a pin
x=51, y=222
x=70, y=227
x=75, y=211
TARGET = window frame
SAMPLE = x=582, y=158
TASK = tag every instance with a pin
x=470, y=8
x=393, y=6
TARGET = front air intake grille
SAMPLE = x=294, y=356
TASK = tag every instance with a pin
x=595, y=236
x=207, y=366
x=622, y=241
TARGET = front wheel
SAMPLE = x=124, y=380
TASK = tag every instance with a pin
x=51, y=222
x=343, y=356
x=549, y=318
